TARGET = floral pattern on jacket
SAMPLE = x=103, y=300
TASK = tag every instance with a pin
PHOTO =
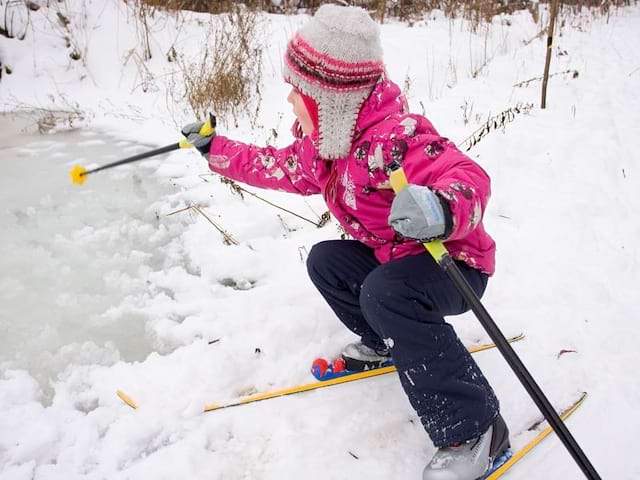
x=356, y=187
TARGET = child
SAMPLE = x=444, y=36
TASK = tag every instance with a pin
x=352, y=125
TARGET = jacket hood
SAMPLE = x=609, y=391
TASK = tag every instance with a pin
x=385, y=99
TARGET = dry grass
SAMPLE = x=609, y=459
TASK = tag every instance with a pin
x=236, y=188
x=410, y=11
x=497, y=122
x=226, y=78
x=211, y=6
x=62, y=114
x=568, y=73
x=142, y=12
x=227, y=238
x=70, y=25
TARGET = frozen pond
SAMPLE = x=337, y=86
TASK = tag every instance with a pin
x=74, y=259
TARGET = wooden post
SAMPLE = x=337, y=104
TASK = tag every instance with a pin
x=547, y=63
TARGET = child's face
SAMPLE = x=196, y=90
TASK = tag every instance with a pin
x=300, y=112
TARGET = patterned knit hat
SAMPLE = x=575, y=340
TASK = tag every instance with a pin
x=336, y=59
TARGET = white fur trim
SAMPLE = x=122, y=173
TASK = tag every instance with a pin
x=337, y=114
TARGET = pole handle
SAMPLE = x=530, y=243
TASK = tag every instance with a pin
x=436, y=248
x=208, y=129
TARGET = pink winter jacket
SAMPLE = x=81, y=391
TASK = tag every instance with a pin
x=356, y=188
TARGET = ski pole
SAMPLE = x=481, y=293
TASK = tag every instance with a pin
x=79, y=174
x=440, y=254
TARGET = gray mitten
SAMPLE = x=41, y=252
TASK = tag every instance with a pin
x=200, y=134
x=417, y=212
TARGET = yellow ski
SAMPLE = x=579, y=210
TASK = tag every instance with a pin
x=311, y=386
x=529, y=446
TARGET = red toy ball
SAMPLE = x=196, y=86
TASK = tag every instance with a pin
x=319, y=367
x=339, y=365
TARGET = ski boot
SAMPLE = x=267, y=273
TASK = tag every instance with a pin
x=474, y=459
x=358, y=357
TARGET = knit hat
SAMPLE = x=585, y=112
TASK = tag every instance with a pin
x=336, y=59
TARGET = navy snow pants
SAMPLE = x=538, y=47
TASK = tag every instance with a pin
x=402, y=304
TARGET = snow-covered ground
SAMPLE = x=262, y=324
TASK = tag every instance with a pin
x=102, y=289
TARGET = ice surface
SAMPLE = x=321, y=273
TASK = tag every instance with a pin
x=75, y=258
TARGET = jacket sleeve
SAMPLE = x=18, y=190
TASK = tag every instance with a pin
x=437, y=163
x=288, y=169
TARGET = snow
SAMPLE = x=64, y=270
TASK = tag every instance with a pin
x=114, y=285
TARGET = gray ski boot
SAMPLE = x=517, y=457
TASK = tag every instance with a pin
x=472, y=459
x=358, y=357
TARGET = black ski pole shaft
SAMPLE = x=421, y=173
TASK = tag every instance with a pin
x=135, y=158
x=207, y=129
x=442, y=257
x=526, y=379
